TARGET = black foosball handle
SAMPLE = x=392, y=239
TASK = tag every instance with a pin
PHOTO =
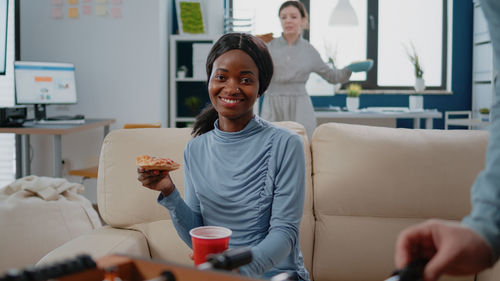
x=228, y=260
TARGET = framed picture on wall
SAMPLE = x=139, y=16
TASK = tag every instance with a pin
x=191, y=17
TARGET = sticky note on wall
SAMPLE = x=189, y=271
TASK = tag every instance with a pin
x=101, y=10
x=57, y=13
x=73, y=13
x=72, y=2
x=116, y=12
x=87, y=10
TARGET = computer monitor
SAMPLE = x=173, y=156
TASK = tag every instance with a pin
x=44, y=83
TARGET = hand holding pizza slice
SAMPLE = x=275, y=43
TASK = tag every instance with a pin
x=156, y=163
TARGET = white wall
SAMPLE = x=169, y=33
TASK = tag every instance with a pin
x=121, y=70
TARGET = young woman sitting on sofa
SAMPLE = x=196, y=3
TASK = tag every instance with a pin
x=240, y=171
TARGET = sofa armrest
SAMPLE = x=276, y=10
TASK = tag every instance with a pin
x=101, y=242
x=491, y=274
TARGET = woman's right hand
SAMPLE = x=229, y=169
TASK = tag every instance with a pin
x=156, y=180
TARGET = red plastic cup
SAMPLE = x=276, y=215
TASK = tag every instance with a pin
x=209, y=240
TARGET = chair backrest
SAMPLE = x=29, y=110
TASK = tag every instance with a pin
x=141, y=125
x=372, y=182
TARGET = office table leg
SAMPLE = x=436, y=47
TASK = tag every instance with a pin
x=416, y=123
x=106, y=130
x=428, y=123
x=57, y=156
x=26, y=156
x=19, y=156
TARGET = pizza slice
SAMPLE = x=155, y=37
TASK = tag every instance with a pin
x=156, y=163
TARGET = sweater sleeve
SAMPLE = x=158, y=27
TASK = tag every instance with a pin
x=185, y=214
x=332, y=75
x=485, y=195
x=287, y=207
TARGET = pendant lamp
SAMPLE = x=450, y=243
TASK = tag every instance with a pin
x=343, y=14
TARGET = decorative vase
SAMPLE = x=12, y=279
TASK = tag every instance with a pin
x=181, y=74
x=352, y=103
x=484, y=117
x=419, y=84
x=336, y=87
x=416, y=102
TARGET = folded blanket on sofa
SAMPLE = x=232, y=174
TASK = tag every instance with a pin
x=44, y=187
x=39, y=214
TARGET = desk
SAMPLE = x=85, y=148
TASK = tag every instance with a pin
x=30, y=128
x=427, y=114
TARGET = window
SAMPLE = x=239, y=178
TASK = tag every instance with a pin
x=402, y=24
x=386, y=30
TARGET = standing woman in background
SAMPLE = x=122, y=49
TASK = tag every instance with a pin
x=294, y=59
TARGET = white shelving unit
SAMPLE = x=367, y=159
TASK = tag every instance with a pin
x=181, y=53
x=483, y=75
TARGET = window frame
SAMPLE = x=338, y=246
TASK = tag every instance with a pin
x=372, y=47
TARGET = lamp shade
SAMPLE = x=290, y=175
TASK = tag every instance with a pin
x=343, y=14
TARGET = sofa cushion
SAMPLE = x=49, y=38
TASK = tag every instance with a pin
x=101, y=242
x=371, y=182
x=164, y=243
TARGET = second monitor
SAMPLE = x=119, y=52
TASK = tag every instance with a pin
x=44, y=83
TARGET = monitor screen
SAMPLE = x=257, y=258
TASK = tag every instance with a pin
x=4, y=7
x=44, y=83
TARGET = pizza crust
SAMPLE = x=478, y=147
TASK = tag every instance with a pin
x=156, y=163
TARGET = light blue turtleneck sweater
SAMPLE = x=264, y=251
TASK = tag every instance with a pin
x=251, y=182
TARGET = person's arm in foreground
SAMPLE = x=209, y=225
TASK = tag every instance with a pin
x=475, y=244
x=451, y=247
x=287, y=207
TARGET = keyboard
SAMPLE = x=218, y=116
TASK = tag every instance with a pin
x=66, y=117
x=61, y=121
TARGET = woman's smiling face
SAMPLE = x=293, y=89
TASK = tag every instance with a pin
x=233, y=89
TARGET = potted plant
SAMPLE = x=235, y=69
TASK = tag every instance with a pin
x=417, y=67
x=193, y=104
x=352, y=100
x=332, y=58
x=416, y=102
x=182, y=71
x=484, y=113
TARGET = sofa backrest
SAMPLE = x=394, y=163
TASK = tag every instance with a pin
x=122, y=200
x=124, y=203
x=372, y=182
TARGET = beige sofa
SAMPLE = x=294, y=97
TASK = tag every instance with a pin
x=369, y=184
